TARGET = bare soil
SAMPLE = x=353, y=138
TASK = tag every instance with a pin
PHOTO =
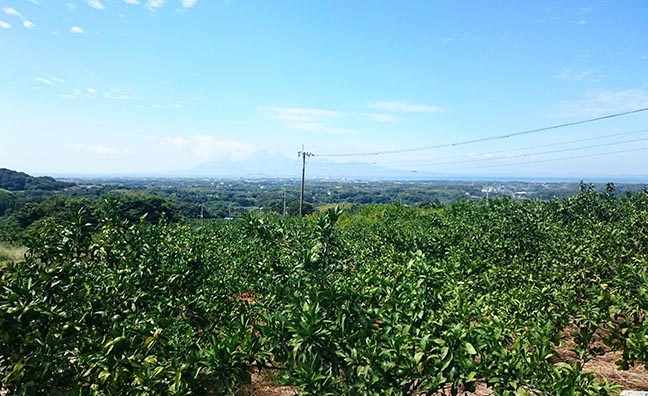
x=603, y=365
x=264, y=383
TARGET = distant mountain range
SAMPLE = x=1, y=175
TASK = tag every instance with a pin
x=263, y=164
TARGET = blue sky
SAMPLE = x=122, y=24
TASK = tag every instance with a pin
x=121, y=86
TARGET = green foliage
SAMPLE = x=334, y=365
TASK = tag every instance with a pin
x=15, y=181
x=132, y=205
x=387, y=301
x=7, y=201
x=125, y=205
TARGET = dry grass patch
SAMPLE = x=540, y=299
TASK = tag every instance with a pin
x=11, y=253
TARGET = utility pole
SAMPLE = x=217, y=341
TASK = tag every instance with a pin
x=303, y=154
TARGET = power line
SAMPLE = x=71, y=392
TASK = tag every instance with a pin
x=505, y=136
x=520, y=148
x=537, y=153
x=425, y=161
x=551, y=159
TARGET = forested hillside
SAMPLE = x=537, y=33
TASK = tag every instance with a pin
x=511, y=296
x=18, y=181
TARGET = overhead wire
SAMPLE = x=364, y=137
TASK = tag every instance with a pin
x=537, y=153
x=551, y=159
x=555, y=144
x=485, y=139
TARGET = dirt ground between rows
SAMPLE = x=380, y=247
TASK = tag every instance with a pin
x=602, y=366
x=264, y=384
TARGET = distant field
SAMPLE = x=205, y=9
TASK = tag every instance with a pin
x=11, y=253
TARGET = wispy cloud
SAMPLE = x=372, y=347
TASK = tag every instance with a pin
x=77, y=93
x=12, y=11
x=163, y=106
x=207, y=147
x=97, y=149
x=189, y=3
x=404, y=107
x=138, y=102
x=5, y=25
x=118, y=95
x=49, y=79
x=380, y=117
x=602, y=102
x=77, y=30
x=131, y=2
x=305, y=114
x=153, y=4
x=568, y=75
x=96, y=4
x=305, y=118
x=71, y=6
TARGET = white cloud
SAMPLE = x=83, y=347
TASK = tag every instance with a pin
x=5, y=25
x=181, y=104
x=305, y=114
x=597, y=103
x=152, y=4
x=305, y=118
x=575, y=76
x=11, y=11
x=44, y=80
x=77, y=30
x=206, y=147
x=380, y=117
x=76, y=93
x=97, y=149
x=96, y=4
x=118, y=95
x=138, y=102
x=404, y=107
x=307, y=126
x=131, y=2
x=71, y=6
x=189, y=3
